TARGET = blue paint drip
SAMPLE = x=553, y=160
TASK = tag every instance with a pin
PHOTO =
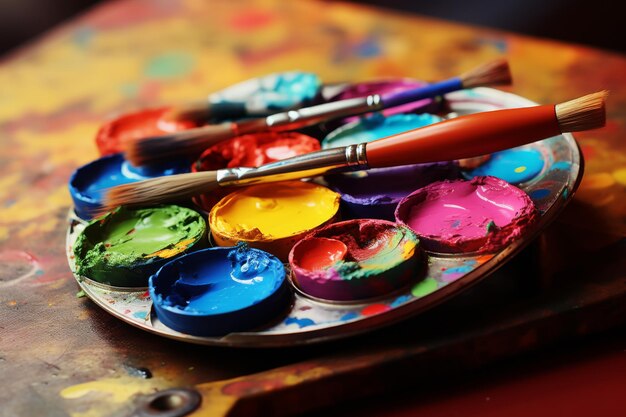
x=300, y=322
x=512, y=165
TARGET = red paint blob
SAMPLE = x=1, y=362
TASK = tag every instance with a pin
x=320, y=253
x=148, y=122
x=372, y=309
x=250, y=151
x=251, y=19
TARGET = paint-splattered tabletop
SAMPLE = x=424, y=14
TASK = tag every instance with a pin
x=65, y=356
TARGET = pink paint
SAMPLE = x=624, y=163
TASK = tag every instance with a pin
x=480, y=215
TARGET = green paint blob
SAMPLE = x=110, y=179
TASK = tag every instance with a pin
x=424, y=287
x=170, y=65
x=124, y=247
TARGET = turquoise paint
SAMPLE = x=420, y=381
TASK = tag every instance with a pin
x=377, y=126
x=512, y=165
x=170, y=65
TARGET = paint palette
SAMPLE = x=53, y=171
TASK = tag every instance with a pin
x=552, y=170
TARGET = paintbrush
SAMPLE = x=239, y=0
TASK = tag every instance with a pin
x=462, y=137
x=191, y=142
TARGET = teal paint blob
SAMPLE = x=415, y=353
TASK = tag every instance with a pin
x=512, y=165
x=377, y=126
x=170, y=65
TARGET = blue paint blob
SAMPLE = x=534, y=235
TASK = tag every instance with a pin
x=89, y=181
x=562, y=165
x=512, y=165
x=349, y=316
x=539, y=193
x=369, y=48
x=220, y=290
x=140, y=315
x=300, y=322
x=458, y=270
x=400, y=300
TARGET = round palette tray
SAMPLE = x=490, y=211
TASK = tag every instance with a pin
x=441, y=277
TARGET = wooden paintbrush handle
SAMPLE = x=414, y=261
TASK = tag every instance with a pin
x=465, y=137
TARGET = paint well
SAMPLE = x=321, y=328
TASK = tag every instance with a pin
x=249, y=151
x=355, y=259
x=136, y=125
x=220, y=290
x=125, y=246
x=376, y=192
x=515, y=165
x=270, y=93
x=272, y=216
x=481, y=215
x=88, y=182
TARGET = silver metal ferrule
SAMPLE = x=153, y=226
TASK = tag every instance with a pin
x=347, y=158
x=307, y=116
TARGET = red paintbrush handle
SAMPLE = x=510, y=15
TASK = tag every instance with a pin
x=465, y=137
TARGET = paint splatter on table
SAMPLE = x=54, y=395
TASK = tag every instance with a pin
x=64, y=355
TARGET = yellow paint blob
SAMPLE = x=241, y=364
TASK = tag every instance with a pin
x=273, y=211
x=520, y=169
x=116, y=389
x=597, y=181
x=620, y=175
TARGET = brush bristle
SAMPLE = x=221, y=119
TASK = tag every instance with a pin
x=492, y=73
x=160, y=190
x=184, y=144
x=584, y=113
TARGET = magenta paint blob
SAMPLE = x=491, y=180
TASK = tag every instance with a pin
x=480, y=215
x=355, y=260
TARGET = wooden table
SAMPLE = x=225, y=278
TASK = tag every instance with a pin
x=62, y=355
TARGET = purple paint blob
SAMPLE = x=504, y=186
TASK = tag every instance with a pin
x=377, y=192
x=481, y=215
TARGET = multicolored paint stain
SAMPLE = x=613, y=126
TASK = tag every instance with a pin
x=354, y=259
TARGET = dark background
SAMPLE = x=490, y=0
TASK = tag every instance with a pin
x=592, y=23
